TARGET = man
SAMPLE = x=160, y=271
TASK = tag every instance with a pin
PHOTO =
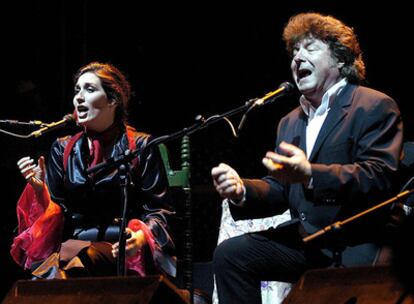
x=336, y=155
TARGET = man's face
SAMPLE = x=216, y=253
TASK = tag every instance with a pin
x=314, y=69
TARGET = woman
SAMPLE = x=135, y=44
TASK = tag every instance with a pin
x=66, y=217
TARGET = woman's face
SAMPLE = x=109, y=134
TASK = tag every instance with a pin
x=93, y=108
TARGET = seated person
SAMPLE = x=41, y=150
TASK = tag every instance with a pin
x=336, y=154
x=66, y=217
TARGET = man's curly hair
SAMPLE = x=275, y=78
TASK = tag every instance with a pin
x=341, y=39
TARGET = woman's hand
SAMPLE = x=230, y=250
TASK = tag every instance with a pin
x=133, y=243
x=34, y=174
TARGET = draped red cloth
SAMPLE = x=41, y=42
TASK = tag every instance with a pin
x=40, y=231
x=136, y=262
x=40, y=227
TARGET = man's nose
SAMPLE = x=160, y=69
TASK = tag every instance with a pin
x=298, y=58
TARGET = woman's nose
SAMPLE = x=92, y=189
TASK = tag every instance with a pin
x=79, y=98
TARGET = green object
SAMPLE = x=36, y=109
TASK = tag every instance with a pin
x=181, y=178
x=178, y=178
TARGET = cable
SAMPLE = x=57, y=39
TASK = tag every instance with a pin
x=15, y=134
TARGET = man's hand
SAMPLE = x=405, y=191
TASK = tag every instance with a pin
x=290, y=169
x=227, y=182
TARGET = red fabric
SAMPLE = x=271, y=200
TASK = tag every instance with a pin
x=136, y=262
x=132, y=143
x=95, y=152
x=40, y=227
x=40, y=230
x=68, y=149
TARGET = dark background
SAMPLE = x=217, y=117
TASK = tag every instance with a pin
x=182, y=60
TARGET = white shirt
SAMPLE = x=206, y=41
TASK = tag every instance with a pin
x=316, y=117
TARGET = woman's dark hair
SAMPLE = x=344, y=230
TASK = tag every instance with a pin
x=341, y=39
x=114, y=82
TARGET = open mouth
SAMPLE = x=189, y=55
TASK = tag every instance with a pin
x=82, y=111
x=303, y=73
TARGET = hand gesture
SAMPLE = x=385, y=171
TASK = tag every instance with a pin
x=289, y=169
x=34, y=174
x=227, y=182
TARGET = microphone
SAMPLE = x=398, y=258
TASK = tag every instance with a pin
x=286, y=88
x=53, y=125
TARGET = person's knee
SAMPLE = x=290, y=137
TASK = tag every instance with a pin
x=96, y=254
x=225, y=255
x=97, y=260
x=92, y=254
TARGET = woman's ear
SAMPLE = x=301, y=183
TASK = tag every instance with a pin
x=113, y=103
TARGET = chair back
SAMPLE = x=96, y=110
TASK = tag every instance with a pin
x=181, y=178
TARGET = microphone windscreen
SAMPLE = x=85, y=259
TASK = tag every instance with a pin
x=288, y=87
x=69, y=118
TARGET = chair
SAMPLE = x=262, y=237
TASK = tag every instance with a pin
x=181, y=178
x=178, y=178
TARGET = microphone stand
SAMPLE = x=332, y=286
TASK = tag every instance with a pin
x=123, y=171
x=128, y=155
x=337, y=226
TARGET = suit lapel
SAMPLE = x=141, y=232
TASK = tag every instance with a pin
x=295, y=132
x=336, y=114
x=302, y=132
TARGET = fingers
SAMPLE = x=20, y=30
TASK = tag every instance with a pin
x=41, y=167
x=223, y=172
x=220, y=169
x=115, y=250
x=29, y=176
x=293, y=156
x=25, y=170
x=292, y=167
x=278, y=158
x=289, y=149
x=26, y=167
x=271, y=165
x=132, y=244
x=227, y=181
x=23, y=161
x=34, y=174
